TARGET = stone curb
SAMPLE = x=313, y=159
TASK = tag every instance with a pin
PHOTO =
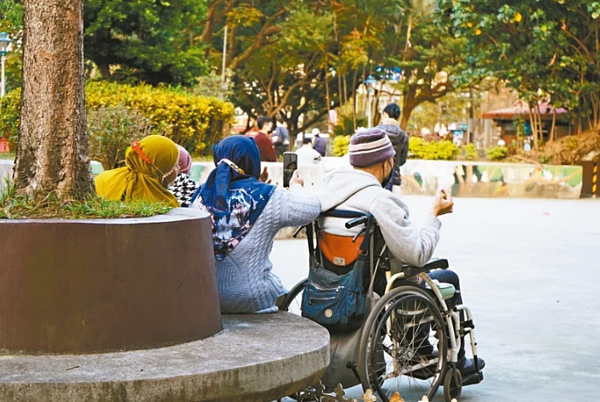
x=257, y=357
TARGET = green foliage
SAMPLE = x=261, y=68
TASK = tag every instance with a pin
x=469, y=152
x=497, y=153
x=111, y=130
x=545, y=50
x=345, y=124
x=15, y=206
x=191, y=121
x=418, y=148
x=212, y=85
x=195, y=122
x=11, y=22
x=10, y=117
x=150, y=41
x=340, y=145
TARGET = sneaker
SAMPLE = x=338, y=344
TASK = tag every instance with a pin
x=467, y=366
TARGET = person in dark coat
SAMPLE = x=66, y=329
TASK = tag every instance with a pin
x=397, y=136
x=319, y=144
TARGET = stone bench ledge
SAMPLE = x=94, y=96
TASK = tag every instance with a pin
x=255, y=358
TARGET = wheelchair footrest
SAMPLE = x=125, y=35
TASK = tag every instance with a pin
x=472, y=379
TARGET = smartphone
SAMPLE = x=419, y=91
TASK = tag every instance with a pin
x=290, y=163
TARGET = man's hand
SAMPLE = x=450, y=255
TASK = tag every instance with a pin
x=264, y=176
x=443, y=203
x=296, y=179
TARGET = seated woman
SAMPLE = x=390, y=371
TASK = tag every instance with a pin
x=151, y=165
x=247, y=214
x=184, y=187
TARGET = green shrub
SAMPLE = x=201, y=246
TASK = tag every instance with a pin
x=469, y=152
x=497, y=153
x=110, y=131
x=340, y=145
x=192, y=121
x=418, y=148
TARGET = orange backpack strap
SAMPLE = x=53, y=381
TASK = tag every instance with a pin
x=339, y=250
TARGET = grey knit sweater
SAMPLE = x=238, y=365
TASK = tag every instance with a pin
x=246, y=283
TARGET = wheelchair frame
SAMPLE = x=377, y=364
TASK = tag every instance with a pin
x=451, y=378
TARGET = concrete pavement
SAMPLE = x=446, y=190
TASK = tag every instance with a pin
x=530, y=272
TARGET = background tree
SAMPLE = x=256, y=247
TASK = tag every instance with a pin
x=151, y=41
x=52, y=153
x=546, y=50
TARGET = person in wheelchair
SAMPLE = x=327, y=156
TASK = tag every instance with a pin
x=362, y=189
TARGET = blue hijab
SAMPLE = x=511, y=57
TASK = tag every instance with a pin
x=233, y=193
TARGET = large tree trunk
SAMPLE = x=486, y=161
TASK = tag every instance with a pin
x=408, y=105
x=52, y=153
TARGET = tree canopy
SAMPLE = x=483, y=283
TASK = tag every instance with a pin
x=152, y=41
x=547, y=50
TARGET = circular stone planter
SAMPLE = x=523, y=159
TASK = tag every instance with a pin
x=89, y=286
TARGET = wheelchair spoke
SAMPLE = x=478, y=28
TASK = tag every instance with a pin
x=406, y=331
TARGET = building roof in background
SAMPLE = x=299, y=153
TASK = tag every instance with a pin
x=521, y=109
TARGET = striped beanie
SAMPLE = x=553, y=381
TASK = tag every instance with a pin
x=369, y=147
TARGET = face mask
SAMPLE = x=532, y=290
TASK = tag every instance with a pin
x=388, y=182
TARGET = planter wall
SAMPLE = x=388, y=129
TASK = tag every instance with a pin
x=88, y=286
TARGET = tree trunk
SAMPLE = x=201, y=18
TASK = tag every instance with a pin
x=408, y=105
x=354, y=100
x=52, y=153
x=104, y=70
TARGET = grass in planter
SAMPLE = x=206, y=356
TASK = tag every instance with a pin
x=14, y=206
x=7, y=155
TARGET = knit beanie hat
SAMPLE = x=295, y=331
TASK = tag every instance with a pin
x=369, y=147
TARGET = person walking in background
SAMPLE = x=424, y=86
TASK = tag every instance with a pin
x=184, y=187
x=399, y=140
x=263, y=142
x=281, y=139
x=319, y=144
x=306, y=154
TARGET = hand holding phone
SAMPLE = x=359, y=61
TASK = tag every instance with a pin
x=290, y=165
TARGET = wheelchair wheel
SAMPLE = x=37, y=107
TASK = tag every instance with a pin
x=397, y=346
x=293, y=300
x=452, y=384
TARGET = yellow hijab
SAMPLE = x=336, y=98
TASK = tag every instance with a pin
x=140, y=180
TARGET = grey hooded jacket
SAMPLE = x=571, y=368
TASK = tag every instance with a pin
x=360, y=191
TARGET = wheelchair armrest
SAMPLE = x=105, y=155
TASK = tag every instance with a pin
x=434, y=263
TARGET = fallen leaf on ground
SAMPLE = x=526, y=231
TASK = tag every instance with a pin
x=396, y=398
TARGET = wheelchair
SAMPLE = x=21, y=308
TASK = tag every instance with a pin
x=411, y=335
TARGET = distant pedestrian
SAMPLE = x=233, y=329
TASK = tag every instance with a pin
x=306, y=154
x=281, y=139
x=319, y=144
x=399, y=140
x=263, y=142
